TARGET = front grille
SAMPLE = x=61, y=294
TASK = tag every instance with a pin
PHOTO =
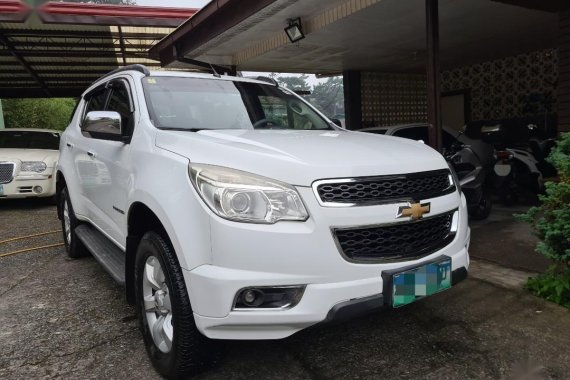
x=375, y=190
x=399, y=241
x=6, y=172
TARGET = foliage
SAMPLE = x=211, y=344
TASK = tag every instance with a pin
x=328, y=97
x=38, y=113
x=552, y=285
x=551, y=221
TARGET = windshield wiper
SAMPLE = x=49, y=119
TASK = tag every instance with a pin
x=186, y=129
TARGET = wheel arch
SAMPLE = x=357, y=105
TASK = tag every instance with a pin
x=140, y=219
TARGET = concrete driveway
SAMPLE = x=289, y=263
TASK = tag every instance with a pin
x=67, y=318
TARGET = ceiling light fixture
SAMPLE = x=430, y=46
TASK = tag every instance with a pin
x=295, y=30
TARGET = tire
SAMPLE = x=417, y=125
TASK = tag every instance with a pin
x=175, y=346
x=483, y=209
x=75, y=249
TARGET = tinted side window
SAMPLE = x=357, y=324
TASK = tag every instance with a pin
x=415, y=133
x=119, y=101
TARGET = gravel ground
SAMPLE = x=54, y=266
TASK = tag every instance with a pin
x=67, y=318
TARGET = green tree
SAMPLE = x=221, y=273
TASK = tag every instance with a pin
x=38, y=113
x=328, y=96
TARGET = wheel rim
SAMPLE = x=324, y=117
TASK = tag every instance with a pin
x=66, y=223
x=157, y=305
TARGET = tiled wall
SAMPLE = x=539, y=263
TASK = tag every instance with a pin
x=497, y=88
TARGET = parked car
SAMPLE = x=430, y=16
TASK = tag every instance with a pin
x=225, y=222
x=28, y=158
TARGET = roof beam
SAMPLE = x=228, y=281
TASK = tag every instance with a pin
x=55, y=70
x=48, y=80
x=63, y=92
x=24, y=64
x=76, y=44
x=78, y=33
x=83, y=64
x=69, y=53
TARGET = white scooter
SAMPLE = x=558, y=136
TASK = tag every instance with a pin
x=517, y=169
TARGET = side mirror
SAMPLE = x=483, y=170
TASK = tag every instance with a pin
x=337, y=122
x=104, y=125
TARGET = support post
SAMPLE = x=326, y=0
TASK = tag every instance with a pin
x=122, y=43
x=1, y=116
x=352, y=99
x=433, y=74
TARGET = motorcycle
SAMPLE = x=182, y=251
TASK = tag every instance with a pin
x=473, y=164
x=517, y=172
x=522, y=169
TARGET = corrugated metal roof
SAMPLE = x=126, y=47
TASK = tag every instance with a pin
x=62, y=59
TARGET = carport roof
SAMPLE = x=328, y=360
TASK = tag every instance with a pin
x=58, y=49
x=385, y=35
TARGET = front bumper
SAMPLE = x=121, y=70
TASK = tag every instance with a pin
x=249, y=255
x=22, y=186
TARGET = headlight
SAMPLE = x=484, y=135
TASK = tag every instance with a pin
x=33, y=166
x=245, y=197
x=454, y=177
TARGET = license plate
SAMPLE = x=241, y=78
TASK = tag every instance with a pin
x=420, y=282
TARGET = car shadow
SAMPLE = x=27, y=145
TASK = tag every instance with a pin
x=26, y=204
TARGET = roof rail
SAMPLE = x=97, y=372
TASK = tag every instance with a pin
x=267, y=79
x=138, y=67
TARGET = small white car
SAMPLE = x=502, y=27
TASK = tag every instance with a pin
x=230, y=208
x=28, y=158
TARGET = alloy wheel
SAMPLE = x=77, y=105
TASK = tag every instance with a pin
x=157, y=305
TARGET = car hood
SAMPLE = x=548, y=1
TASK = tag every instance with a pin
x=301, y=157
x=48, y=156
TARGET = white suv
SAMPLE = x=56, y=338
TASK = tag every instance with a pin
x=232, y=209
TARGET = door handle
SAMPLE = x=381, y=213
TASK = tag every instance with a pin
x=69, y=145
x=91, y=154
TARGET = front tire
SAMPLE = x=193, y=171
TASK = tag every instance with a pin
x=69, y=222
x=175, y=346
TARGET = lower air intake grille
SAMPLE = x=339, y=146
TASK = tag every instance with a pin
x=6, y=172
x=396, y=242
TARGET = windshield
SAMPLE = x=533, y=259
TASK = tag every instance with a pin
x=198, y=103
x=29, y=140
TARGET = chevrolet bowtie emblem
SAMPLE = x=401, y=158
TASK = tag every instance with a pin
x=413, y=210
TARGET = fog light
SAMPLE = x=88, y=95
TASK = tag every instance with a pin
x=38, y=189
x=268, y=297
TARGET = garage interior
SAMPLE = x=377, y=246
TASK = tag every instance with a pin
x=485, y=58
